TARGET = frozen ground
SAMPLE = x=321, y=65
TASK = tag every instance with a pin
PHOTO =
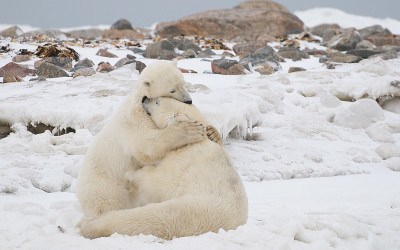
x=317, y=123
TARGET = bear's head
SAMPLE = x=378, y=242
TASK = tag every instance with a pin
x=166, y=111
x=164, y=79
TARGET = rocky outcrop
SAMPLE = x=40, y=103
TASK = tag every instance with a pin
x=246, y=21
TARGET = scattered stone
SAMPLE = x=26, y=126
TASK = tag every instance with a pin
x=123, y=34
x=184, y=45
x=49, y=70
x=315, y=52
x=38, y=79
x=264, y=69
x=374, y=30
x=16, y=70
x=347, y=40
x=131, y=57
x=46, y=34
x=248, y=20
x=5, y=130
x=138, y=51
x=62, y=62
x=9, y=77
x=293, y=53
x=140, y=66
x=296, y=69
x=123, y=61
x=227, y=54
x=89, y=34
x=320, y=29
x=263, y=55
x=105, y=67
x=84, y=72
x=169, y=55
x=122, y=24
x=331, y=65
x=187, y=71
x=84, y=63
x=242, y=49
x=156, y=49
x=266, y=38
x=40, y=128
x=37, y=63
x=5, y=48
x=54, y=50
x=364, y=53
x=379, y=40
x=21, y=58
x=207, y=53
x=365, y=44
x=105, y=53
x=189, y=54
x=13, y=31
x=329, y=34
x=391, y=54
x=343, y=58
x=221, y=66
x=237, y=69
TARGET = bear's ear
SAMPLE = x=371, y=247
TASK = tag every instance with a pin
x=175, y=63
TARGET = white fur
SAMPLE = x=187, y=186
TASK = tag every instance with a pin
x=131, y=140
x=195, y=189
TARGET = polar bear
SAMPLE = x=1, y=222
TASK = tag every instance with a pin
x=131, y=140
x=193, y=190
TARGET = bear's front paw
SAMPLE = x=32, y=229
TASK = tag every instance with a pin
x=193, y=131
x=213, y=134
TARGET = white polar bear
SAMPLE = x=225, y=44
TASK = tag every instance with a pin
x=193, y=190
x=131, y=140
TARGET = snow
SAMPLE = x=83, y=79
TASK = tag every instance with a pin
x=320, y=159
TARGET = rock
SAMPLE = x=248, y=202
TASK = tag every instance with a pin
x=293, y=53
x=184, y=45
x=264, y=69
x=364, y=53
x=154, y=50
x=131, y=57
x=207, y=53
x=329, y=34
x=248, y=20
x=384, y=40
x=347, y=40
x=138, y=51
x=265, y=38
x=13, y=31
x=140, y=66
x=62, y=62
x=296, y=69
x=169, y=55
x=9, y=77
x=38, y=79
x=122, y=24
x=123, y=34
x=320, y=29
x=365, y=44
x=189, y=54
x=315, y=52
x=37, y=63
x=49, y=70
x=343, y=58
x=331, y=65
x=84, y=63
x=89, y=34
x=374, y=30
x=263, y=55
x=16, y=70
x=187, y=71
x=105, y=53
x=123, y=61
x=242, y=49
x=237, y=69
x=21, y=58
x=46, y=34
x=227, y=54
x=391, y=54
x=105, y=67
x=5, y=130
x=84, y=72
x=221, y=66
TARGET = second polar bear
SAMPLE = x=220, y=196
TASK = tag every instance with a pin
x=131, y=140
x=195, y=189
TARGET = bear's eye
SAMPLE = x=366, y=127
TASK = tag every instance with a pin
x=157, y=101
x=147, y=83
x=172, y=91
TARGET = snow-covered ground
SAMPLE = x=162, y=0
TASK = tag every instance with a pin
x=318, y=123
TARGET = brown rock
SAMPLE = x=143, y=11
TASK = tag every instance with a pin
x=296, y=69
x=105, y=53
x=266, y=38
x=236, y=69
x=21, y=58
x=84, y=72
x=221, y=66
x=9, y=77
x=105, y=67
x=227, y=54
x=123, y=34
x=13, y=31
x=384, y=40
x=248, y=20
x=49, y=70
x=242, y=49
x=37, y=63
x=187, y=70
x=16, y=70
x=320, y=29
x=140, y=66
x=264, y=69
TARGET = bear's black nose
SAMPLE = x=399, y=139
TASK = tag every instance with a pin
x=144, y=99
x=188, y=102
